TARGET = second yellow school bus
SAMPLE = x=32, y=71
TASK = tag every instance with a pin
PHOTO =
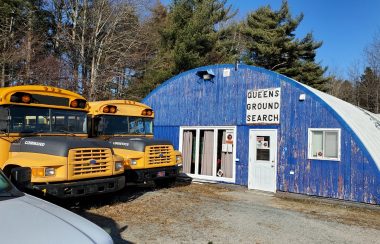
x=128, y=126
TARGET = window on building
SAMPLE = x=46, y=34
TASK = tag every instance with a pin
x=208, y=152
x=324, y=144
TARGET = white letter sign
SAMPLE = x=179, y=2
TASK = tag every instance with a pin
x=263, y=106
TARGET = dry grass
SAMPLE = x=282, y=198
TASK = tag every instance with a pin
x=332, y=211
x=164, y=206
x=182, y=202
x=161, y=211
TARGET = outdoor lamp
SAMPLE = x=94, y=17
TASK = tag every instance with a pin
x=206, y=75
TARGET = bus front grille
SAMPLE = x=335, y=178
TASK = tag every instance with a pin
x=159, y=154
x=90, y=162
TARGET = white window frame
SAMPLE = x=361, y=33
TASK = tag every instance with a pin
x=197, y=130
x=310, y=146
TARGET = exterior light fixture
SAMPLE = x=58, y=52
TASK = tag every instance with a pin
x=302, y=97
x=206, y=75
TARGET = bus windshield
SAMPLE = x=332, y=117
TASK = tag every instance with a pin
x=111, y=125
x=5, y=187
x=22, y=119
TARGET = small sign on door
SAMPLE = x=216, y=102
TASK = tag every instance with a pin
x=261, y=143
x=227, y=148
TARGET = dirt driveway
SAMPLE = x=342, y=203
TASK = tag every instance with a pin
x=219, y=213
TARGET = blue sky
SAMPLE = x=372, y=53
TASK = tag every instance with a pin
x=345, y=27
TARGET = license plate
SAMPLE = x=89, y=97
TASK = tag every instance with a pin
x=161, y=174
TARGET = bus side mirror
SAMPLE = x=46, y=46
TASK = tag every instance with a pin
x=21, y=177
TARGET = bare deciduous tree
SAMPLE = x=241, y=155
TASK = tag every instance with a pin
x=372, y=54
x=103, y=40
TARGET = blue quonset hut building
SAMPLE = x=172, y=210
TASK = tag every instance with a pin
x=250, y=126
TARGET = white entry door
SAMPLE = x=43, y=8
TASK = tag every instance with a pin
x=262, y=160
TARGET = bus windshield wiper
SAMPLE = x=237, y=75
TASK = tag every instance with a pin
x=67, y=132
x=31, y=133
x=121, y=133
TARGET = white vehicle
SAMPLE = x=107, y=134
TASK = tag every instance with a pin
x=27, y=219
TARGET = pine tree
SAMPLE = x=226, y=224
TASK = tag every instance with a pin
x=193, y=35
x=369, y=90
x=270, y=42
x=192, y=32
x=157, y=64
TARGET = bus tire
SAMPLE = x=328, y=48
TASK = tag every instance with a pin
x=165, y=183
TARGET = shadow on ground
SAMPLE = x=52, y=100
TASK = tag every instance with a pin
x=81, y=206
x=107, y=224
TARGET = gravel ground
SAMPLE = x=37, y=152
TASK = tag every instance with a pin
x=219, y=213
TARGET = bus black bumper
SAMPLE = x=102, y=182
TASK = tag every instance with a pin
x=82, y=188
x=142, y=175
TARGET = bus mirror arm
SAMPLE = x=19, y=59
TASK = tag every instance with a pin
x=4, y=122
x=8, y=122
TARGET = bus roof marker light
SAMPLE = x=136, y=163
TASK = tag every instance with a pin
x=106, y=109
x=26, y=98
x=74, y=104
x=147, y=112
x=113, y=109
x=21, y=97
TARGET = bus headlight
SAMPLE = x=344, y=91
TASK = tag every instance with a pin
x=133, y=161
x=41, y=172
x=49, y=171
x=118, y=166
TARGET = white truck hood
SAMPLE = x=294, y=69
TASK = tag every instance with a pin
x=28, y=219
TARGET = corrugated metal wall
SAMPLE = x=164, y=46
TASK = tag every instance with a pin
x=185, y=100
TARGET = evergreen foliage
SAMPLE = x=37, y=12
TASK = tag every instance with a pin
x=270, y=42
x=369, y=90
x=193, y=35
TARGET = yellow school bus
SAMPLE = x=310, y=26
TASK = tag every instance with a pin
x=128, y=126
x=45, y=129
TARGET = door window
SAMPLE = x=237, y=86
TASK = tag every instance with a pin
x=263, y=148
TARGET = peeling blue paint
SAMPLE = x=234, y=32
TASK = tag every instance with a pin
x=185, y=101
